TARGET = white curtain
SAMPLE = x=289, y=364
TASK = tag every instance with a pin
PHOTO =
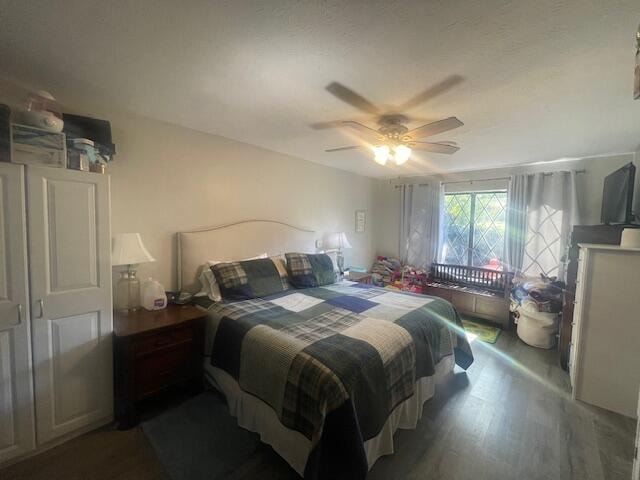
x=516, y=227
x=442, y=227
x=419, y=224
x=552, y=210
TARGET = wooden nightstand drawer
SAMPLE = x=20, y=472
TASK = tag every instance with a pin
x=162, y=368
x=154, y=351
x=163, y=340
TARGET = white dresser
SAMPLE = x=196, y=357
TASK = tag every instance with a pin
x=605, y=348
x=55, y=306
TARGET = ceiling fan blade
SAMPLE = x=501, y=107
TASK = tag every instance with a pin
x=423, y=120
x=339, y=149
x=352, y=98
x=434, y=147
x=367, y=131
x=325, y=125
x=433, y=91
x=434, y=128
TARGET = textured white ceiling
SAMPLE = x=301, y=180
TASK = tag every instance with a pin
x=543, y=79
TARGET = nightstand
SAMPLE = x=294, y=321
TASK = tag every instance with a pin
x=153, y=351
x=360, y=277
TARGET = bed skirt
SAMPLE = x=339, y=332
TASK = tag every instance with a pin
x=256, y=416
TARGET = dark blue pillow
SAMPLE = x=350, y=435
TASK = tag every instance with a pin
x=310, y=270
x=249, y=279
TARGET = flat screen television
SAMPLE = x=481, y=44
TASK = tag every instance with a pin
x=617, y=196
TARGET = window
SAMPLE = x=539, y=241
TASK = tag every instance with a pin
x=474, y=228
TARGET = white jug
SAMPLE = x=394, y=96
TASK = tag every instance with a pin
x=153, y=296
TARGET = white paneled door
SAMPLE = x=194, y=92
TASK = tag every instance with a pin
x=69, y=249
x=16, y=391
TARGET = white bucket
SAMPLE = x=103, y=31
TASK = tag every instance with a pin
x=537, y=329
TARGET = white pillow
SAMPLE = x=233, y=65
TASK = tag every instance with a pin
x=210, y=287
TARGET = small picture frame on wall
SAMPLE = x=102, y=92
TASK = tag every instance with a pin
x=361, y=221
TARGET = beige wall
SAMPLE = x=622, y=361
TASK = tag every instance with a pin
x=168, y=178
x=590, y=183
x=386, y=228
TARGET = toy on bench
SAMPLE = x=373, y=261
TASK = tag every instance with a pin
x=409, y=280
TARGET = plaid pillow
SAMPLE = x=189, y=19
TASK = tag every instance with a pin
x=250, y=278
x=310, y=270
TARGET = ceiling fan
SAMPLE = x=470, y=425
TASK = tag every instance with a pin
x=393, y=140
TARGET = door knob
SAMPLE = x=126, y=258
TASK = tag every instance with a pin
x=41, y=304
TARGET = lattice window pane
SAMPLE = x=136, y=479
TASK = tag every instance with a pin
x=458, y=222
x=542, y=250
x=489, y=227
x=476, y=219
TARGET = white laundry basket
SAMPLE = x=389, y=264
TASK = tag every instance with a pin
x=537, y=329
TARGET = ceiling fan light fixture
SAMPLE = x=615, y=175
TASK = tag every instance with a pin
x=392, y=136
x=381, y=154
x=401, y=154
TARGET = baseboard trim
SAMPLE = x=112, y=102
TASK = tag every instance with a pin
x=59, y=441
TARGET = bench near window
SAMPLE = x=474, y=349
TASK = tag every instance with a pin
x=474, y=291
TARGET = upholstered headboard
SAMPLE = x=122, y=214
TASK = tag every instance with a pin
x=236, y=241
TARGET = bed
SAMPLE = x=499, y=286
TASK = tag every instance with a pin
x=325, y=375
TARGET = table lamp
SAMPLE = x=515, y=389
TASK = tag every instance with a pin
x=338, y=241
x=128, y=250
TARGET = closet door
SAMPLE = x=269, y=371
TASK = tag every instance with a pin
x=70, y=271
x=16, y=394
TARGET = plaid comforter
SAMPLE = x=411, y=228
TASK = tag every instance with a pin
x=334, y=361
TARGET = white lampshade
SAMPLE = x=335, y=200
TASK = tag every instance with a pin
x=128, y=249
x=338, y=240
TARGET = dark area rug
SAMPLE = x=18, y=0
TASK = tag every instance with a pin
x=200, y=440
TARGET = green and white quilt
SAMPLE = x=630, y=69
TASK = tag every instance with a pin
x=334, y=361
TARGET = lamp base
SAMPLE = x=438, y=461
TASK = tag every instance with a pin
x=127, y=293
x=340, y=263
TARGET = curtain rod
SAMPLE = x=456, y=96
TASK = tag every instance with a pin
x=478, y=180
x=492, y=179
x=546, y=174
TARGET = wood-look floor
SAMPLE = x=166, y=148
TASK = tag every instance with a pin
x=509, y=417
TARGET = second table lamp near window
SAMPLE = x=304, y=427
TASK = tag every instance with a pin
x=128, y=250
